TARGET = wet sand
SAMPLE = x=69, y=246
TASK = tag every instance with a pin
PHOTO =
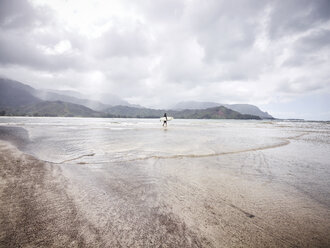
x=152, y=203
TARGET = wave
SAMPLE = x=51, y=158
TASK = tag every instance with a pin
x=284, y=142
x=72, y=159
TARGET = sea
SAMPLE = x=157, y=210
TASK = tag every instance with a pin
x=293, y=153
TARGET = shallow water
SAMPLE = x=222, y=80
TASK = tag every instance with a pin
x=63, y=139
x=202, y=178
x=97, y=141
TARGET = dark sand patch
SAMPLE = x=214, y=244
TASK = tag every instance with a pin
x=17, y=136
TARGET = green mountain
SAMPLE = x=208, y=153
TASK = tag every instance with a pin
x=220, y=112
x=133, y=112
x=56, y=108
x=14, y=93
x=213, y=113
x=249, y=109
x=240, y=108
x=17, y=99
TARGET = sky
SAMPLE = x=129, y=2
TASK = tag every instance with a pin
x=273, y=54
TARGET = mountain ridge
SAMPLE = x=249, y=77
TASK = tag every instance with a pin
x=241, y=108
x=17, y=98
x=53, y=109
x=219, y=112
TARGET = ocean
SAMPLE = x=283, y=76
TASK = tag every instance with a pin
x=263, y=149
x=207, y=176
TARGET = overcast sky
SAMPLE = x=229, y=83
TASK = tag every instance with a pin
x=273, y=54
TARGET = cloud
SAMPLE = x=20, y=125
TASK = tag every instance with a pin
x=225, y=29
x=16, y=13
x=125, y=42
x=294, y=16
x=29, y=38
x=16, y=49
x=19, y=14
x=319, y=39
x=156, y=53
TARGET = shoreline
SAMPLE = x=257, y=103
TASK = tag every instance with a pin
x=50, y=205
x=38, y=210
x=32, y=193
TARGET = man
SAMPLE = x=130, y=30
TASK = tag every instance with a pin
x=165, y=121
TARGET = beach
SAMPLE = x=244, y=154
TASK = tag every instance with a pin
x=99, y=188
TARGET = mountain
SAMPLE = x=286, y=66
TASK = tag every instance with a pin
x=195, y=105
x=106, y=99
x=56, y=108
x=14, y=94
x=219, y=112
x=126, y=111
x=241, y=108
x=52, y=96
x=98, y=102
x=249, y=109
x=68, y=93
x=19, y=100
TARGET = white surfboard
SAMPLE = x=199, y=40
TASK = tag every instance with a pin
x=169, y=118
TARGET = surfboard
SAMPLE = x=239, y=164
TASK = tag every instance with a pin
x=169, y=118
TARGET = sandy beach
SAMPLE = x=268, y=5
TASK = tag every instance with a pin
x=164, y=124
x=150, y=203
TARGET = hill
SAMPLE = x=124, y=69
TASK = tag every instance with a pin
x=22, y=100
x=220, y=112
x=195, y=105
x=15, y=94
x=249, y=109
x=52, y=96
x=241, y=108
x=56, y=108
x=130, y=112
x=97, y=102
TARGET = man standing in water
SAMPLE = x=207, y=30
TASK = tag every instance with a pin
x=165, y=121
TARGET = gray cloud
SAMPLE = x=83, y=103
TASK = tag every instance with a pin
x=310, y=50
x=16, y=49
x=161, y=11
x=301, y=85
x=316, y=40
x=225, y=28
x=18, y=14
x=27, y=36
x=123, y=43
x=226, y=51
x=289, y=17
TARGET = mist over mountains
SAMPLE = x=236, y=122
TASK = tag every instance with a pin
x=241, y=108
x=18, y=99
